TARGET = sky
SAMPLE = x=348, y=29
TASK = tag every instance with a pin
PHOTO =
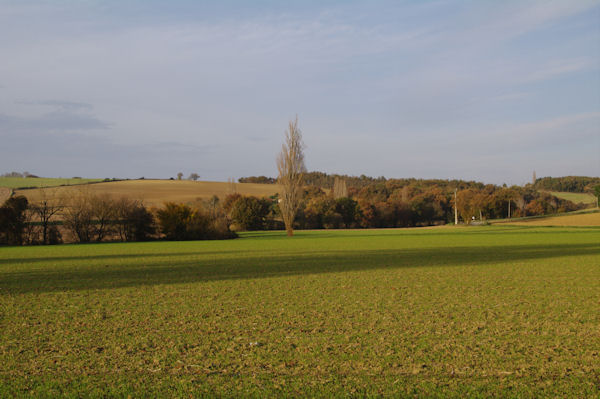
x=477, y=90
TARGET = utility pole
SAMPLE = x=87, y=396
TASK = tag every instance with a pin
x=455, y=208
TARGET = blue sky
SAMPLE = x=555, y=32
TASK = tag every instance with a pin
x=482, y=90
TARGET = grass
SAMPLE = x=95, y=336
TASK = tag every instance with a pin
x=21, y=182
x=575, y=197
x=452, y=312
x=156, y=192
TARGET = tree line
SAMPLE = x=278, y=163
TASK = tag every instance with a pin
x=397, y=204
x=572, y=184
x=87, y=217
x=319, y=179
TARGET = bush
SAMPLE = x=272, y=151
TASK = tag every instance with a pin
x=250, y=213
x=134, y=222
x=349, y=211
x=179, y=222
x=229, y=200
x=12, y=220
x=54, y=235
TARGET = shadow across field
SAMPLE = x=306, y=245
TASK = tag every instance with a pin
x=109, y=257
x=394, y=233
x=103, y=272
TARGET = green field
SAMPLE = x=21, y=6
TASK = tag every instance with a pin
x=575, y=197
x=28, y=182
x=450, y=312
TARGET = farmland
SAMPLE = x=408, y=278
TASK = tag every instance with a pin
x=4, y=194
x=157, y=192
x=570, y=219
x=20, y=182
x=446, y=312
x=576, y=197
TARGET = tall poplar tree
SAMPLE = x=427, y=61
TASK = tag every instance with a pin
x=290, y=165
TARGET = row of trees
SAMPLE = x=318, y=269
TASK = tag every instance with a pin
x=573, y=184
x=388, y=205
x=88, y=217
x=93, y=218
x=17, y=174
x=319, y=179
x=193, y=176
x=258, y=180
x=393, y=205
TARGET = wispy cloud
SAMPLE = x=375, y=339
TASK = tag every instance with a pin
x=65, y=105
x=559, y=67
x=61, y=119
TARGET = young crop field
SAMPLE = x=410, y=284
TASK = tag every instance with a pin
x=157, y=192
x=20, y=182
x=498, y=311
x=575, y=197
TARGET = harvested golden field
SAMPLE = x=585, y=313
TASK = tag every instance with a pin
x=582, y=219
x=156, y=192
x=4, y=193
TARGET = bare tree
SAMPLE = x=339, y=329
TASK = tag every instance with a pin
x=520, y=203
x=103, y=212
x=405, y=195
x=78, y=216
x=339, y=188
x=90, y=217
x=290, y=164
x=194, y=176
x=133, y=222
x=45, y=208
x=231, y=186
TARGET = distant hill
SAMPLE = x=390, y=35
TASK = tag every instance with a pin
x=29, y=182
x=156, y=192
x=576, y=198
x=571, y=184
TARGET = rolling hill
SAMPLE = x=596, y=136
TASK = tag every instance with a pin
x=29, y=182
x=575, y=197
x=157, y=192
